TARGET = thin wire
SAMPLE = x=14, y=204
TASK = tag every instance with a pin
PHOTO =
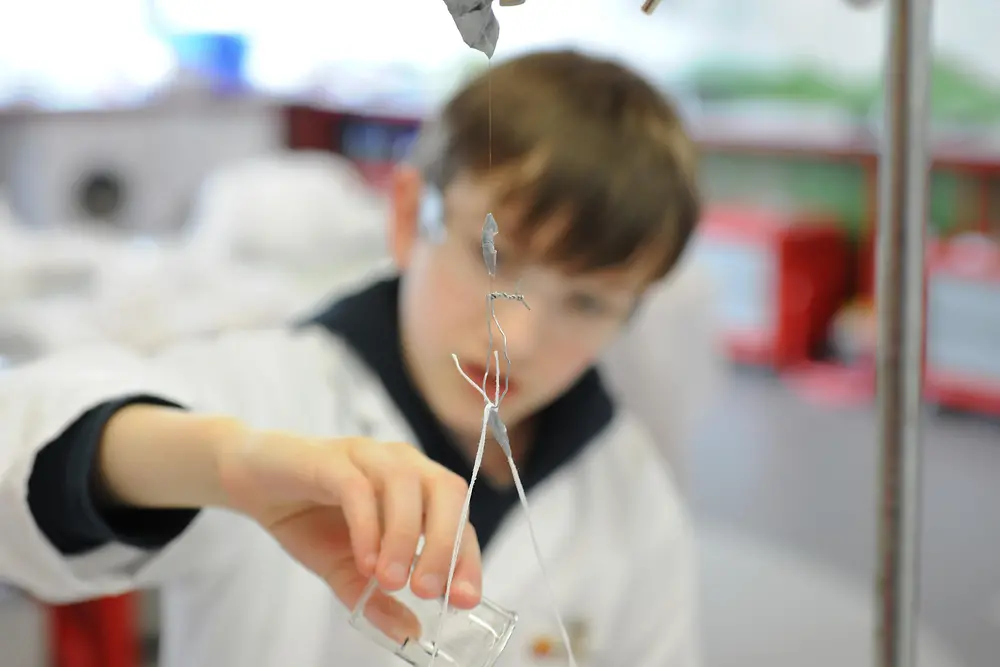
x=506, y=376
x=563, y=632
x=490, y=317
x=489, y=101
x=490, y=314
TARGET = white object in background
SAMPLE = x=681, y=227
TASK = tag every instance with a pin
x=145, y=297
x=669, y=363
x=132, y=169
x=50, y=324
x=145, y=306
x=44, y=279
x=309, y=213
x=13, y=248
x=272, y=237
x=8, y=221
x=40, y=263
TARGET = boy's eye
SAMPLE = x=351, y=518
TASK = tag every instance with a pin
x=586, y=304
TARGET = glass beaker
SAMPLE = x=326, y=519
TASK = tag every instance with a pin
x=407, y=625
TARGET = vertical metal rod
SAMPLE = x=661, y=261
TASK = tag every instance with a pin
x=903, y=178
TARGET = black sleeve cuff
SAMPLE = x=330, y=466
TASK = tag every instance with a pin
x=64, y=493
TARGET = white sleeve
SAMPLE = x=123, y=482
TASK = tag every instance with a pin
x=269, y=379
x=658, y=624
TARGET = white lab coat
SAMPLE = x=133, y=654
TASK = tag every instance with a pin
x=611, y=526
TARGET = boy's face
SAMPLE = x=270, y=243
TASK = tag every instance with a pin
x=444, y=308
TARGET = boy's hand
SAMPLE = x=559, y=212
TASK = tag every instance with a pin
x=352, y=508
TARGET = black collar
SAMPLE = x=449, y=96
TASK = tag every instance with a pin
x=368, y=321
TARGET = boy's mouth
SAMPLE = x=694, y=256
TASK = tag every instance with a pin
x=477, y=372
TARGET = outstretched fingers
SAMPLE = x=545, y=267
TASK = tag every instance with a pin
x=446, y=495
x=391, y=495
x=397, y=483
x=345, y=484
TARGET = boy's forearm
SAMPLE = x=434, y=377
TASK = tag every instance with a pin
x=158, y=457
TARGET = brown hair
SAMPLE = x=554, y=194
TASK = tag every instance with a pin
x=579, y=139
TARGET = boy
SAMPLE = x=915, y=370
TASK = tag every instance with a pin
x=245, y=472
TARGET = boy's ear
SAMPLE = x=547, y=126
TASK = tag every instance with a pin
x=404, y=219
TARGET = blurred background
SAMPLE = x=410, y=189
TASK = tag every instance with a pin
x=170, y=167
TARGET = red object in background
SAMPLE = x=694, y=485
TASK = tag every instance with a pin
x=374, y=143
x=963, y=325
x=962, y=338
x=782, y=278
x=866, y=268
x=97, y=633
